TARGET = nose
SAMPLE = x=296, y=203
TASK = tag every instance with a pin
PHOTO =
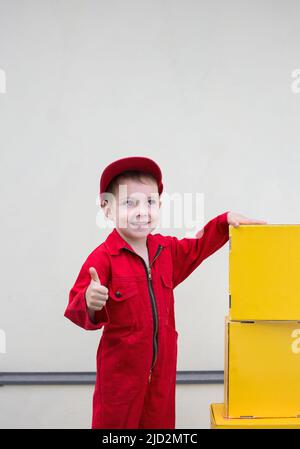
x=142, y=213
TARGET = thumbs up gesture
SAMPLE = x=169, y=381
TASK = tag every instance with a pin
x=96, y=294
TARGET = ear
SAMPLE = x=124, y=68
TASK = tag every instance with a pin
x=105, y=208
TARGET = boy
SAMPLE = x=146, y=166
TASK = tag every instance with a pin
x=126, y=285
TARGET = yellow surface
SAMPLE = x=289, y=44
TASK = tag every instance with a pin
x=264, y=272
x=262, y=369
x=218, y=421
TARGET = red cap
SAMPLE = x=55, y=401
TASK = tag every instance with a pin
x=130, y=163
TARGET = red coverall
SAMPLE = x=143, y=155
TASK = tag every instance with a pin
x=137, y=353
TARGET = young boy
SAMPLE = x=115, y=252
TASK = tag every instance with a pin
x=126, y=286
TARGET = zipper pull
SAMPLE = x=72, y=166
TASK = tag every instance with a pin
x=150, y=375
x=149, y=273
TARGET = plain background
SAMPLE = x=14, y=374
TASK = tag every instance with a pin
x=203, y=88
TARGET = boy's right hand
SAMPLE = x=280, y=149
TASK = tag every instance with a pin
x=96, y=294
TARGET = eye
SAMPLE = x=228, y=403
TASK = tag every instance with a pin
x=153, y=200
x=129, y=202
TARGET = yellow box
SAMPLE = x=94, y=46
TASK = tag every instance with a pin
x=218, y=421
x=264, y=272
x=262, y=369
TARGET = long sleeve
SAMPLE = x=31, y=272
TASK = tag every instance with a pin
x=188, y=253
x=77, y=310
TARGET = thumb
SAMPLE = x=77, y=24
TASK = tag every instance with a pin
x=94, y=275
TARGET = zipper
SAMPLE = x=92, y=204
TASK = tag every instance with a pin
x=153, y=303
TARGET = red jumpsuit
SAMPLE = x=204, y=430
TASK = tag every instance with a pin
x=137, y=353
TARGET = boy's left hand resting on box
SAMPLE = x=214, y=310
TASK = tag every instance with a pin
x=236, y=219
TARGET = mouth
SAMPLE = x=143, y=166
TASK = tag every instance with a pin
x=141, y=224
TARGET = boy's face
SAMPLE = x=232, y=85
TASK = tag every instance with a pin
x=135, y=208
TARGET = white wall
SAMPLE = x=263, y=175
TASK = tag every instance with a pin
x=204, y=88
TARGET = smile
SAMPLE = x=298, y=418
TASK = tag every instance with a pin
x=140, y=224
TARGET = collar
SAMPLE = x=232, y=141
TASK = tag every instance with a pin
x=115, y=243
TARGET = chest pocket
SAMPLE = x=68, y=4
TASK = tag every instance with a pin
x=168, y=298
x=167, y=280
x=122, y=302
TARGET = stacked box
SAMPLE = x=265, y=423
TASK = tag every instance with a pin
x=262, y=332
x=264, y=272
x=262, y=369
x=218, y=421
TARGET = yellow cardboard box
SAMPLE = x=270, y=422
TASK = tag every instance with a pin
x=262, y=369
x=264, y=272
x=218, y=421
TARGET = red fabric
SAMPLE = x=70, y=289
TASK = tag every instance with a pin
x=123, y=396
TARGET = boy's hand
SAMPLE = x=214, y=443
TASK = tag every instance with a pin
x=237, y=219
x=96, y=294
